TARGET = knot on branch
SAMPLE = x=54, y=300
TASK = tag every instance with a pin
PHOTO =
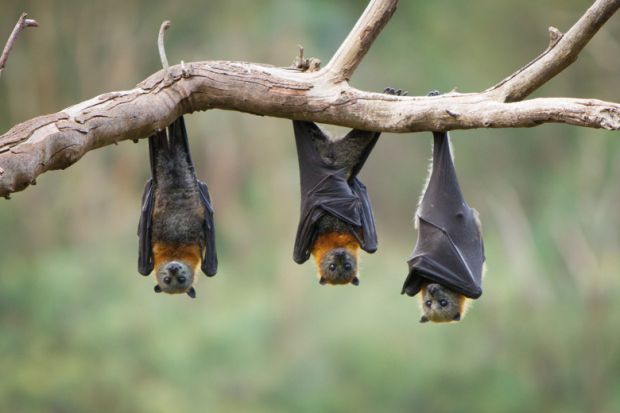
x=554, y=36
x=311, y=64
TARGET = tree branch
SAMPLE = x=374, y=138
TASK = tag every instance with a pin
x=358, y=42
x=561, y=52
x=22, y=23
x=56, y=141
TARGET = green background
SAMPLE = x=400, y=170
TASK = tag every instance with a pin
x=82, y=331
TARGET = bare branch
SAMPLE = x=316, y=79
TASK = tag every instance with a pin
x=561, y=52
x=56, y=141
x=358, y=42
x=22, y=23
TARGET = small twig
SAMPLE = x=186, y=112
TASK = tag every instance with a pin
x=311, y=64
x=22, y=22
x=162, y=49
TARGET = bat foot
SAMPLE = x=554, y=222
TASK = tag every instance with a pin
x=395, y=92
x=433, y=93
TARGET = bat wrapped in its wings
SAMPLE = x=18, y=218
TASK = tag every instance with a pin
x=176, y=230
x=331, y=187
x=449, y=250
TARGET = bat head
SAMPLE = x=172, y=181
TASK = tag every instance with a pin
x=338, y=266
x=440, y=304
x=175, y=277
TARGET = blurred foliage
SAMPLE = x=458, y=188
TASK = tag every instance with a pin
x=80, y=330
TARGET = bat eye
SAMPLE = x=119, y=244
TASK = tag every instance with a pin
x=428, y=303
x=181, y=279
x=167, y=280
x=347, y=267
x=443, y=303
x=332, y=267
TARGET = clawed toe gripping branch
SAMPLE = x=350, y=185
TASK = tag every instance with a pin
x=58, y=140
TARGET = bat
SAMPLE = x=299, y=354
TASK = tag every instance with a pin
x=176, y=230
x=448, y=259
x=336, y=213
x=336, y=217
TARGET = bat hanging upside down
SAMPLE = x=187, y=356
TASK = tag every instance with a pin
x=336, y=214
x=447, y=263
x=176, y=230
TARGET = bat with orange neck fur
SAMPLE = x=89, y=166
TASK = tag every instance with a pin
x=176, y=230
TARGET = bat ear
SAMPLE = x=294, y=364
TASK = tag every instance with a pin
x=457, y=317
x=191, y=292
x=322, y=281
x=424, y=319
x=157, y=289
x=355, y=281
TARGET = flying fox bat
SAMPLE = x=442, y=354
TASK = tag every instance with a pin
x=336, y=214
x=176, y=230
x=448, y=259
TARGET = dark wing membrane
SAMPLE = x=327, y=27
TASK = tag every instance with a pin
x=209, y=260
x=158, y=145
x=449, y=248
x=438, y=259
x=368, y=240
x=145, y=253
x=306, y=235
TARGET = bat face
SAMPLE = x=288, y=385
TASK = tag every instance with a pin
x=440, y=304
x=175, y=277
x=338, y=266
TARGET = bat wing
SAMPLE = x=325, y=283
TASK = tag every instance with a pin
x=209, y=260
x=158, y=143
x=449, y=250
x=325, y=190
x=145, y=253
x=368, y=240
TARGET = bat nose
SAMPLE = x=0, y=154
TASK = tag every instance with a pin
x=174, y=268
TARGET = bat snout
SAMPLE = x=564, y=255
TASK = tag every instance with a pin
x=174, y=268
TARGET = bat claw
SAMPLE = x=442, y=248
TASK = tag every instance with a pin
x=191, y=292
